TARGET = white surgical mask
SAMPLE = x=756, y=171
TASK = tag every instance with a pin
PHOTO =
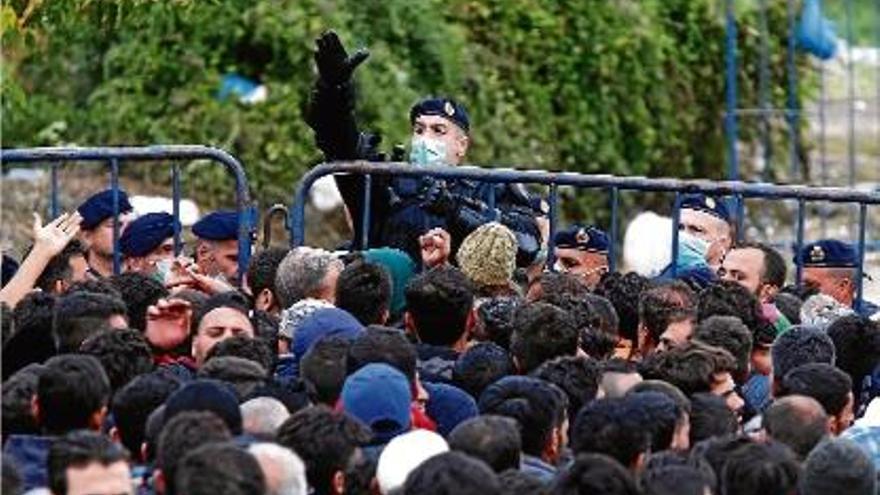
x=427, y=151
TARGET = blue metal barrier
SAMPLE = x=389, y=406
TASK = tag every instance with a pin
x=739, y=190
x=114, y=156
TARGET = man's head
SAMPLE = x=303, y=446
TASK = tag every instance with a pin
x=16, y=406
x=797, y=421
x=222, y=316
x=619, y=376
x=439, y=307
x=217, y=246
x=124, y=355
x=828, y=385
x=838, y=466
x=82, y=314
x=624, y=291
x=262, y=270
x=132, y=405
x=582, y=251
x=139, y=293
x=726, y=298
x=403, y=455
x=730, y=334
x=324, y=369
x=612, y=427
x=857, y=345
x=542, y=332
x=380, y=397
x=262, y=416
x=364, y=290
x=284, y=471
x=181, y=434
x=666, y=316
x=578, y=377
x=219, y=468
x=494, y=440
x=383, y=345
x=65, y=268
x=595, y=473
x=710, y=417
x=797, y=346
x=327, y=441
x=148, y=242
x=97, y=221
x=540, y=409
x=760, y=468
x=452, y=472
x=307, y=272
x=72, y=394
x=757, y=267
x=481, y=365
x=829, y=266
x=88, y=463
x=707, y=218
x=440, y=128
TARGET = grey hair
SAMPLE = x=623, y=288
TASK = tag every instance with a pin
x=263, y=415
x=286, y=467
x=301, y=274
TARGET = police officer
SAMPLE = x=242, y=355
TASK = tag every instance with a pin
x=216, y=252
x=97, y=229
x=830, y=265
x=402, y=209
x=582, y=250
x=147, y=244
x=708, y=219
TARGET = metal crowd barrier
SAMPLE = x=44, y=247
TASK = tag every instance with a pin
x=739, y=191
x=114, y=156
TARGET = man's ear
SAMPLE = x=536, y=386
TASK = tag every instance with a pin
x=59, y=287
x=386, y=315
x=410, y=325
x=114, y=435
x=96, y=421
x=159, y=481
x=338, y=483
x=264, y=300
x=471, y=322
x=35, y=409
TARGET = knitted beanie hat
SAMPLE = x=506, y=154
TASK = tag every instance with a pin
x=487, y=256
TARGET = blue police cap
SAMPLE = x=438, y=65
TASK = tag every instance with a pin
x=99, y=207
x=221, y=225
x=706, y=204
x=583, y=238
x=827, y=253
x=444, y=107
x=146, y=233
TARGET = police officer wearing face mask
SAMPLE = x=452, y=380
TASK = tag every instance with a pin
x=402, y=209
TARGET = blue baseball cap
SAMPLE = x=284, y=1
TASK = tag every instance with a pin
x=326, y=322
x=380, y=397
x=221, y=225
x=829, y=253
x=582, y=238
x=707, y=204
x=443, y=107
x=99, y=207
x=449, y=406
x=146, y=233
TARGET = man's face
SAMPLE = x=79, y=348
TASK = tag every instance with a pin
x=441, y=129
x=96, y=478
x=147, y=264
x=845, y=419
x=709, y=228
x=745, y=267
x=834, y=282
x=79, y=269
x=100, y=239
x=723, y=386
x=219, y=258
x=676, y=334
x=587, y=265
x=761, y=361
x=217, y=326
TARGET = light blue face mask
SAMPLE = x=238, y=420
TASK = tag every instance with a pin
x=162, y=269
x=691, y=251
x=427, y=151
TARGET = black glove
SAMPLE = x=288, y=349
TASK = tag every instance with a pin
x=437, y=199
x=335, y=66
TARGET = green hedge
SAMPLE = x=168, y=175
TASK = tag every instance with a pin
x=610, y=86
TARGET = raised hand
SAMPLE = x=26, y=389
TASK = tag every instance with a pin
x=436, y=246
x=335, y=66
x=53, y=237
x=168, y=323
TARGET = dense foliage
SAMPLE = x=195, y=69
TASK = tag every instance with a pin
x=611, y=86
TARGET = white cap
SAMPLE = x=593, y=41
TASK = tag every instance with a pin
x=404, y=454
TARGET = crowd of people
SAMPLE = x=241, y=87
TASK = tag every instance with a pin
x=465, y=351
x=458, y=372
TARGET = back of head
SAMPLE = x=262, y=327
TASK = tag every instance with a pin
x=139, y=292
x=729, y=298
x=256, y=350
x=133, y=403
x=78, y=449
x=578, y=377
x=452, y=473
x=537, y=406
x=624, y=292
x=71, y=391
x=244, y=375
x=80, y=315
x=676, y=480
x=364, y=290
x=124, y=355
x=383, y=345
x=58, y=269
x=821, y=381
x=262, y=416
x=516, y=482
x=611, y=427
x=730, y=334
x=324, y=369
x=838, y=466
x=184, y=433
x=789, y=305
x=33, y=340
x=542, y=332
x=857, y=345
x=302, y=274
x=800, y=345
x=710, y=417
x=481, y=365
x=760, y=468
x=219, y=468
x=691, y=367
x=206, y=395
x=595, y=473
x=284, y=471
x=403, y=455
x=438, y=302
x=495, y=320
x=797, y=421
x=262, y=270
x=663, y=304
x=17, y=408
x=325, y=440
x=494, y=440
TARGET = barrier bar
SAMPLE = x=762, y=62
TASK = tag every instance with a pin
x=860, y=269
x=365, y=214
x=612, y=234
x=730, y=124
x=175, y=206
x=114, y=187
x=799, y=275
x=554, y=213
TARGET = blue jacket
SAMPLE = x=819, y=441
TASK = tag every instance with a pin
x=538, y=468
x=29, y=454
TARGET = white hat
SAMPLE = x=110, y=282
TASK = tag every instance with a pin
x=404, y=454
